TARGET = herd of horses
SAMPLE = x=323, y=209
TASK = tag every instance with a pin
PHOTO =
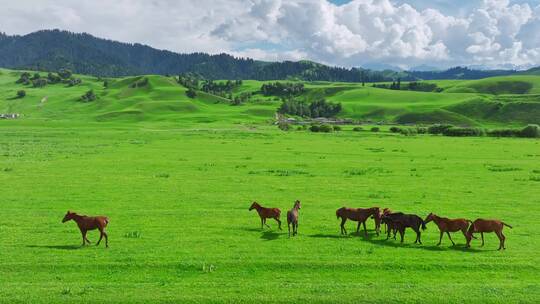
x=395, y=222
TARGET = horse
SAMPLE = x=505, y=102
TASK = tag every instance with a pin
x=292, y=218
x=359, y=215
x=448, y=225
x=265, y=213
x=402, y=221
x=485, y=226
x=386, y=211
x=391, y=226
x=86, y=223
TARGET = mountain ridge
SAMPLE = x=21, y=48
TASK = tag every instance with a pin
x=83, y=53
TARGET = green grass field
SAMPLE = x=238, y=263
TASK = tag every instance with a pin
x=176, y=178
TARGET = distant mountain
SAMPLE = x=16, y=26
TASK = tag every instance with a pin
x=533, y=71
x=52, y=50
x=459, y=73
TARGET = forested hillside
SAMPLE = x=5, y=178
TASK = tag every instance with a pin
x=52, y=50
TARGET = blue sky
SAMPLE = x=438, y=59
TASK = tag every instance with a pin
x=437, y=33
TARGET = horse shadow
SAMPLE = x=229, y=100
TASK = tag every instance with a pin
x=57, y=247
x=268, y=235
x=396, y=244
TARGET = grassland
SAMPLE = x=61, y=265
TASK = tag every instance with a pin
x=176, y=177
x=498, y=101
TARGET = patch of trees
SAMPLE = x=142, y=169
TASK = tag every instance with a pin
x=21, y=93
x=314, y=109
x=411, y=86
x=240, y=99
x=37, y=81
x=191, y=93
x=530, y=131
x=194, y=83
x=89, y=96
x=281, y=89
x=139, y=83
x=220, y=88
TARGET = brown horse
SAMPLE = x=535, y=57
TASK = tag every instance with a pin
x=265, y=213
x=401, y=221
x=359, y=215
x=387, y=211
x=86, y=223
x=485, y=226
x=448, y=225
x=292, y=218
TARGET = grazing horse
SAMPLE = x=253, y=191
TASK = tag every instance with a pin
x=86, y=223
x=359, y=215
x=265, y=213
x=292, y=218
x=402, y=221
x=484, y=226
x=448, y=225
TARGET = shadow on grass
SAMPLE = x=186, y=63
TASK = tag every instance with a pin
x=268, y=235
x=397, y=244
x=58, y=247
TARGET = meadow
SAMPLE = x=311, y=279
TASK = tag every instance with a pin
x=180, y=229
x=176, y=178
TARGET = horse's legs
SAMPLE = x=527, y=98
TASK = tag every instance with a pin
x=464, y=231
x=501, y=239
x=440, y=238
x=106, y=239
x=83, y=232
x=358, y=227
x=453, y=244
x=262, y=223
x=266, y=223
x=343, y=230
x=86, y=238
x=100, y=236
x=289, y=226
x=365, y=230
x=279, y=223
x=418, y=233
x=402, y=233
x=482, y=234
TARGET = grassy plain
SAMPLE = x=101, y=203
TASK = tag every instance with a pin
x=180, y=230
x=176, y=177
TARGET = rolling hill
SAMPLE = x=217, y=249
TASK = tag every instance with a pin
x=511, y=100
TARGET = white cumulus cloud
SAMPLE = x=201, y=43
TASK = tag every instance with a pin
x=494, y=33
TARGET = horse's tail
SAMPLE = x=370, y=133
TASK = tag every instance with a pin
x=507, y=225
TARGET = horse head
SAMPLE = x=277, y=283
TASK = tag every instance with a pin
x=69, y=216
x=429, y=218
x=297, y=203
x=254, y=205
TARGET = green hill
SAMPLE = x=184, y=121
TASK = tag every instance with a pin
x=510, y=100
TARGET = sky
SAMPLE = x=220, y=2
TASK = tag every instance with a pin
x=369, y=33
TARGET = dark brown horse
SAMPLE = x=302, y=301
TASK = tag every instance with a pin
x=402, y=221
x=359, y=215
x=386, y=211
x=292, y=218
x=448, y=225
x=485, y=226
x=265, y=213
x=86, y=223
